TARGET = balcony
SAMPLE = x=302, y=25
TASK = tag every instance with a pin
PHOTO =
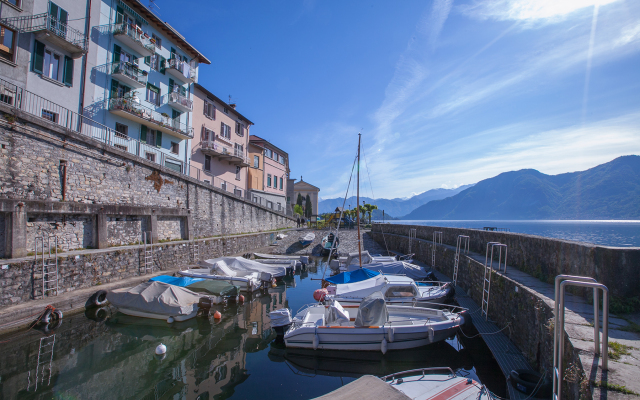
x=133, y=37
x=180, y=70
x=128, y=74
x=49, y=29
x=179, y=102
x=130, y=109
x=233, y=156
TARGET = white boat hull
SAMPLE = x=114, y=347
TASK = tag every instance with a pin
x=246, y=284
x=143, y=314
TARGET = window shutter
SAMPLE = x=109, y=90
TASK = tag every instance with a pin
x=147, y=60
x=203, y=134
x=116, y=53
x=53, y=10
x=173, y=53
x=143, y=133
x=206, y=108
x=38, y=57
x=170, y=85
x=161, y=67
x=67, y=78
x=114, y=88
x=158, y=139
x=119, y=14
x=63, y=16
x=183, y=91
x=222, y=129
x=214, y=111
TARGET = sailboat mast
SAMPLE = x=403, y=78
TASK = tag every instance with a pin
x=358, y=203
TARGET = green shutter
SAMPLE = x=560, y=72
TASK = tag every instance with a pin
x=173, y=53
x=143, y=133
x=114, y=88
x=158, y=139
x=116, y=53
x=119, y=15
x=53, y=10
x=161, y=66
x=38, y=57
x=175, y=114
x=63, y=16
x=171, y=85
x=183, y=91
x=67, y=77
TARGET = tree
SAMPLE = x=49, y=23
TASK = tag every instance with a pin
x=299, y=200
x=370, y=210
x=297, y=209
x=308, y=207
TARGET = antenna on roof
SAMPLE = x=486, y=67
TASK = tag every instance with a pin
x=154, y=7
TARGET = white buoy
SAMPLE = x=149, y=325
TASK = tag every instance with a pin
x=170, y=320
x=390, y=335
x=383, y=346
x=431, y=334
x=316, y=342
x=161, y=349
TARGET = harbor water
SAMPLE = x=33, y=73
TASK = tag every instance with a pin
x=605, y=233
x=108, y=355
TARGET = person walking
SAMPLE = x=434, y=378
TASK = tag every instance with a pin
x=298, y=221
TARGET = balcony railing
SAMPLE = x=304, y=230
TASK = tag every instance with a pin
x=62, y=34
x=131, y=109
x=178, y=101
x=233, y=155
x=22, y=100
x=181, y=70
x=132, y=36
x=126, y=72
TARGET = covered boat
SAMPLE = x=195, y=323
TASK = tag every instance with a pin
x=353, y=260
x=218, y=291
x=156, y=300
x=241, y=265
x=373, y=326
x=306, y=239
x=357, y=275
x=330, y=244
x=412, y=271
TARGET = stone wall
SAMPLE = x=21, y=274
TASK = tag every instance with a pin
x=545, y=258
x=22, y=280
x=170, y=228
x=126, y=230
x=73, y=231
x=2, y=235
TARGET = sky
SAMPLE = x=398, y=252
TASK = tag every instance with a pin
x=444, y=92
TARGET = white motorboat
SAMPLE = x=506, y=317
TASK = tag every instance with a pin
x=352, y=261
x=240, y=265
x=247, y=283
x=397, y=290
x=276, y=256
x=306, y=239
x=374, y=326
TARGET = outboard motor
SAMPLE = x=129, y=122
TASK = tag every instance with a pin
x=280, y=321
x=204, y=305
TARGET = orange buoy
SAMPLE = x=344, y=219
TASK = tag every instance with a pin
x=241, y=299
x=319, y=294
x=217, y=315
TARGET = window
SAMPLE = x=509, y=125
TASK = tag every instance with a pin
x=256, y=161
x=155, y=62
x=239, y=149
x=225, y=130
x=153, y=94
x=207, y=163
x=225, y=110
x=158, y=41
x=282, y=159
x=209, y=110
x=174, y=165
x=59, y=19
x=239, y=129
x=150, y=156
x=122, y=130
x=150, y=136
x=14, y=2
x=275, y=182
x=47, y=62
x=51, y=64
x=50, y=116
x=238, y=173
x=206, y=135
x=269, y=180
x=175, y=148
x=7, y=43
x=281, y=183
x=268, y=153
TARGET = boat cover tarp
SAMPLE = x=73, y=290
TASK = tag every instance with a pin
x=308, y=237
x=366, y=387
x=353, y=258
x=357, y=275
x=372, y=311
x=215, y=287
x=182, y=281
x=157, y=298
x=238, y=266
x=412, y=271
x=281, y=317
x=335, y=315
x=361, y=288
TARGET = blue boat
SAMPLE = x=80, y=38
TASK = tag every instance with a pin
x=307, y=239
x=358, y=275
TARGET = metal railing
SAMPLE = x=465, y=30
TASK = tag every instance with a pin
x=224, y=150
x=183, y=67
x=175, y=98
x=488, y=271
x=437, y=238
x=30, y=103
x=128, y=69
x=45, y=21
x=133, y=32
x=129, y=105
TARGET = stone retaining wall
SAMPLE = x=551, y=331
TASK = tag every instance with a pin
x=545, y=258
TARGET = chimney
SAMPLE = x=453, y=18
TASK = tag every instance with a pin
x=233, y=105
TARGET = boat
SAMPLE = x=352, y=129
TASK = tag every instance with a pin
x=276, y=256
x=373, y=326
x=356, y=259
x=412, y=271
x=218, y=291
x=330, y=244
x=306, y=239
x=247, y=274
x=440, y=383
x=397, y=290
x=157, y=300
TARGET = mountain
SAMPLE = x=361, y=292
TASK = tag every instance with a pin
x=395, y=207
x=607, y=191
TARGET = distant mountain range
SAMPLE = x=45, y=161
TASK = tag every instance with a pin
x=607, y=191
x=392, y=207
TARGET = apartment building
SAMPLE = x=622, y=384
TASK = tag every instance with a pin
x=273, y=167
x=42, y=48
x=141, y=78
x=219, y=149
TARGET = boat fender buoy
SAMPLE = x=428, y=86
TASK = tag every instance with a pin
x=391, y=335
x=46, y=316
x=316, y=341
x=431, y=334
x=161, y=349
x=170, y=320
x=319, y=294
x=99, y=298
x=383, y=346
x=217, y=315
x=241, y=299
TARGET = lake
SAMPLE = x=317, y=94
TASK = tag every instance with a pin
x=606, y=233
x=237, y=357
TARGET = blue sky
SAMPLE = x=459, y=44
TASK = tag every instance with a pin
x=445, y=92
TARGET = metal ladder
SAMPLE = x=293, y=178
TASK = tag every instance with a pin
x=195, y=251
x=462, y=244
x=562, y=282
x=48, y=262
x=437, y=235
x=413, y=233
x=147, y=248
x=45, y=359
x=488, y=270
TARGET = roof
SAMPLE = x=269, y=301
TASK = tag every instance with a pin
x=306, y=183
x=219, y=100
x=258, y=138
x=168, y=30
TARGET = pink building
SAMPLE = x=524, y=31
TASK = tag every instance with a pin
x=274, y=163
x=219, y=147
